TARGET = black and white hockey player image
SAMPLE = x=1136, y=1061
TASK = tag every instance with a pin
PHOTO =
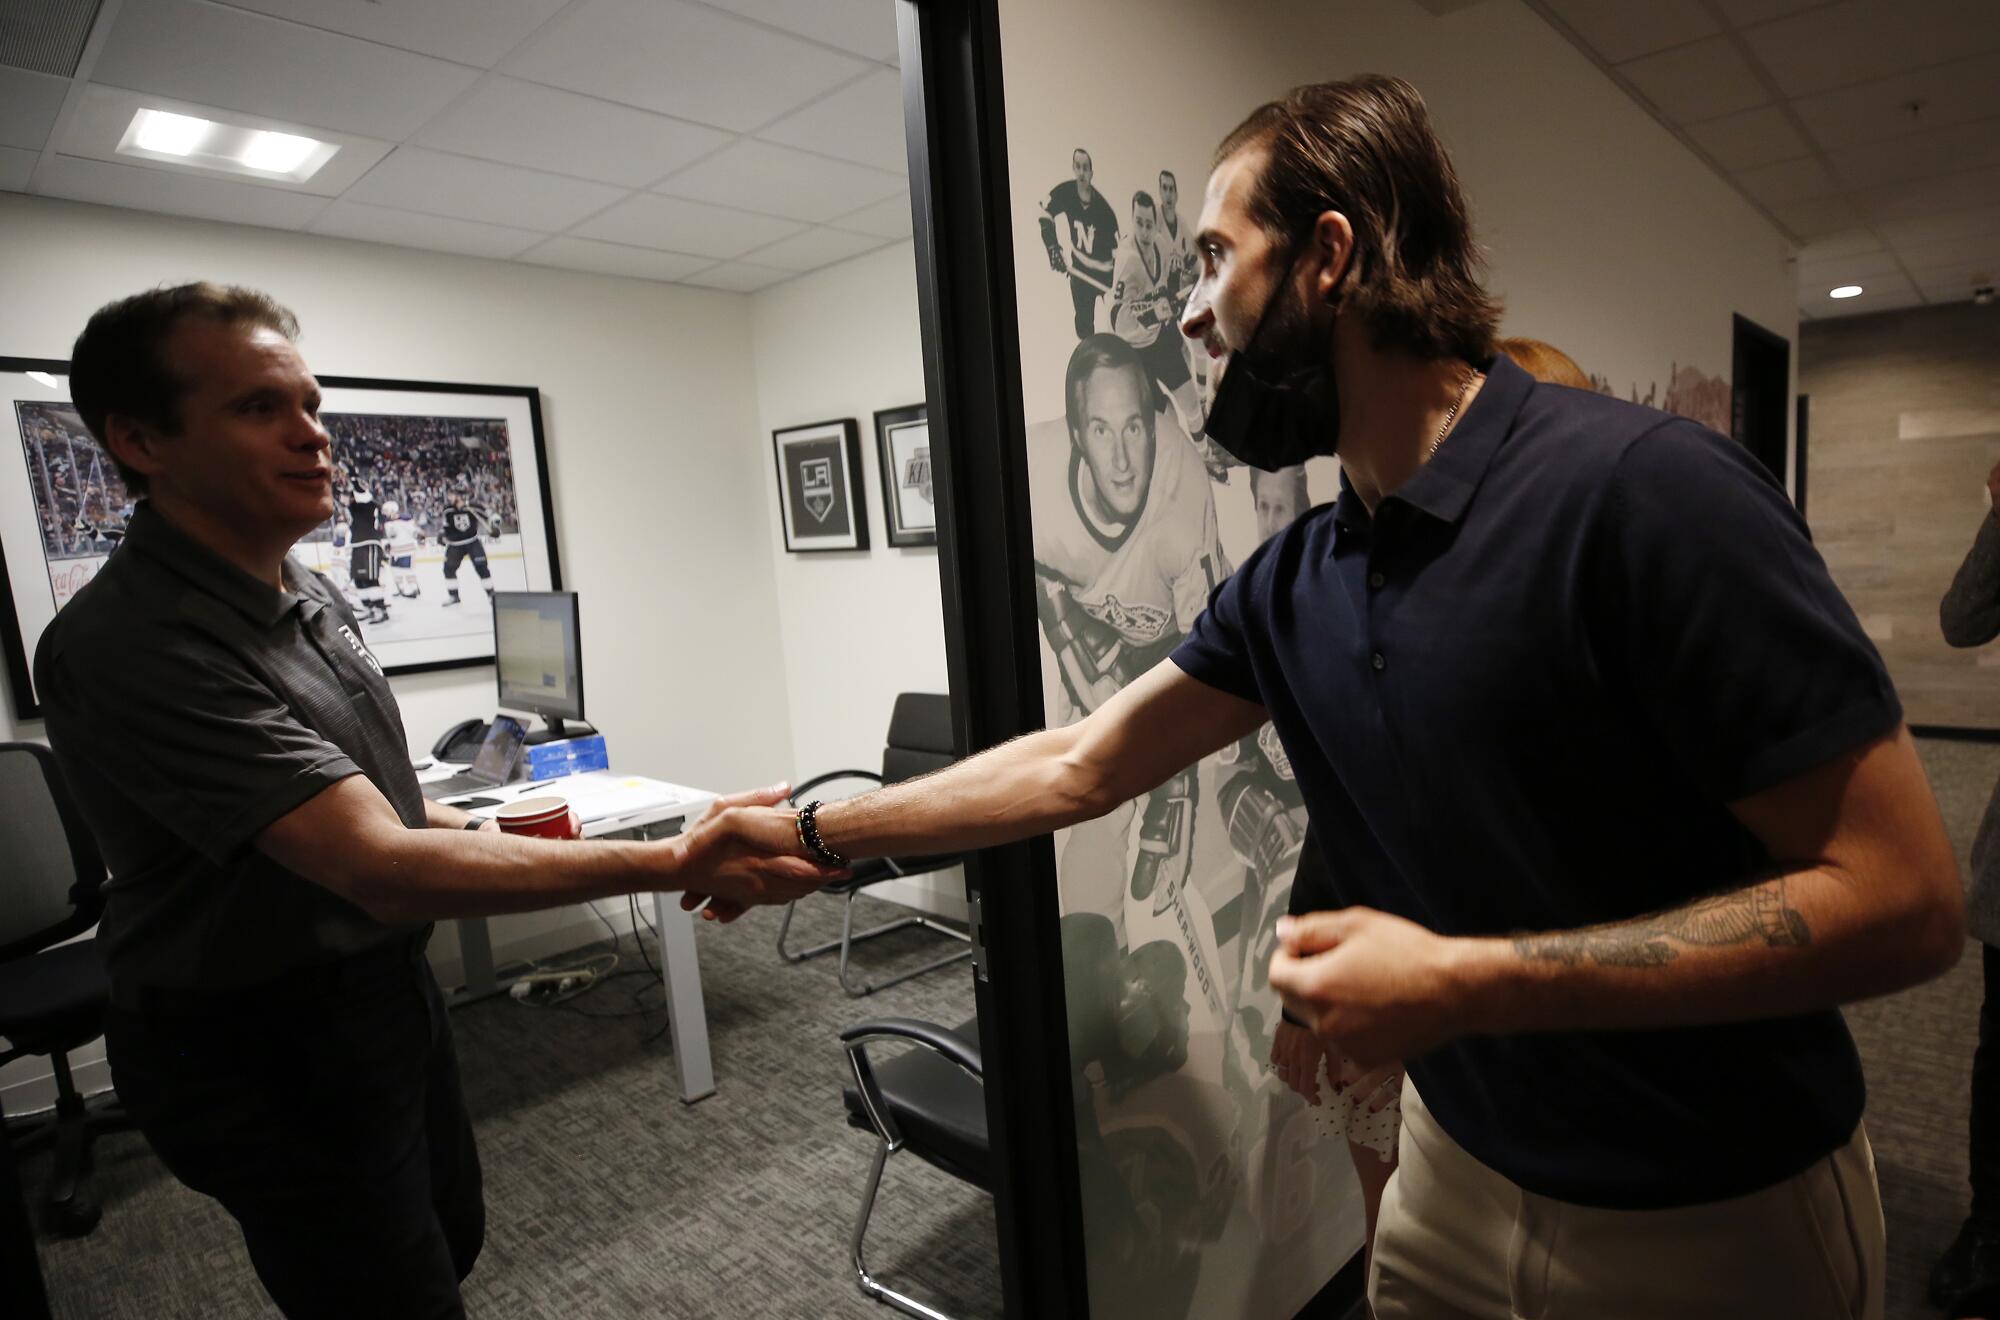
x=364, y=522
x=1090, y=227
x=1144, y=312
x=461, y=529
x=1176, y=241
x=1125, y=557
x=401, y=536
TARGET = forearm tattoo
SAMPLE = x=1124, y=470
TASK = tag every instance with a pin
x=1742, y=916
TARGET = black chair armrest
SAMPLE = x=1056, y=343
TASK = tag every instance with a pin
x=828, y=778
x=952, y=1047
x=928, y=1034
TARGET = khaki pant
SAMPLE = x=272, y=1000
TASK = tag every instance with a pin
x=1456, y=1241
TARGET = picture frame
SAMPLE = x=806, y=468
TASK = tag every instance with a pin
x=821, y=500
x=903, y=445
x=63, y=506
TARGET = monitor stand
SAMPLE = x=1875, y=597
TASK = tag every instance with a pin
x=551, y=731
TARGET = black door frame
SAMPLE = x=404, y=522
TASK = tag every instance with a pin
x=954, y=119
x=1770, y=398
x=955, y=126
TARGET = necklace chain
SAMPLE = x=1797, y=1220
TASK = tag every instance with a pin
x=1451, y=415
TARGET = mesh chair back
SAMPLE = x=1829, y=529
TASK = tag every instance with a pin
x=53, y=871
x=920, y=738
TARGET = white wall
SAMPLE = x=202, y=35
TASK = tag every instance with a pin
x=859, y=626
x=649, y=411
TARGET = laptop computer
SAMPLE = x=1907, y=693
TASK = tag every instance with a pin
x=499, y=756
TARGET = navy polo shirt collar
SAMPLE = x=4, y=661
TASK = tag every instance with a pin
x=208, y=572
x=1443, y=487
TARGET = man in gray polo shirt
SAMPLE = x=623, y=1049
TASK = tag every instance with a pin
x=274, y=870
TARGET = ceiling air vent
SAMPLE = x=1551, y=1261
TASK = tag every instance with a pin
x=45, y=36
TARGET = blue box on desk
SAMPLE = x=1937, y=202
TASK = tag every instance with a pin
x=571, y=756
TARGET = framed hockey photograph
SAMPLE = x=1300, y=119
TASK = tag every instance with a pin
x=819, y=493
x=441, y=494
x=903, y=442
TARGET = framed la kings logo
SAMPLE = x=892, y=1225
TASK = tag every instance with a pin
x=909, y=504
x=818, y=493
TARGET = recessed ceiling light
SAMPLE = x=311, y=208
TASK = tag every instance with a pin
x=1845, y=291
x=231, y=148
x=276, y=153
x=168, y=133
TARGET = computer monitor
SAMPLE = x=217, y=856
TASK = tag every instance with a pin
x=538, y=655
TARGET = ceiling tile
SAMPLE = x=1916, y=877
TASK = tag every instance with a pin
x=1940, y=194
x=1863, y=40
x=1832, y=272
x=524, y=123
x=465, y=31
x=865, y=27
x=1818, y=218
x=1749, y=139
x=264, y=66
x=738, y=277
x=757, y=176
x=1852, y=243
x=1949, y=94
x=418, y=179
x=1745, y=12
x=1970, y=223
x=379, y=224
x=814, y=248
x=1968, y=146
x=615, y=259
x=681, y=59
x=16, y=166
x=1619, y=30
x=1956, y=285
x=1701, y=80
x=1788, y=181
x=29, y=103
x=890, y=219
x=1983, y=249
x=172, y=193
x=674, y=224
x=861, y=123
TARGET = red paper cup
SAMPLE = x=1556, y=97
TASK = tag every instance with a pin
x=546, y=817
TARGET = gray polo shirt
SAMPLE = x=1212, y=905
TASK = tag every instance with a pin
x=192, y=705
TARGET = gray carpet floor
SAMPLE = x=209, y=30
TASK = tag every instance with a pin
x=607, y=1197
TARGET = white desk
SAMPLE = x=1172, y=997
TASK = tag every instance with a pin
x=610, y=803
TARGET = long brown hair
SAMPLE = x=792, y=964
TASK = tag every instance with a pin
x=1364, y=147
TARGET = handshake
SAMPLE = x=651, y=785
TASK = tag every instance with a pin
x=745, y=851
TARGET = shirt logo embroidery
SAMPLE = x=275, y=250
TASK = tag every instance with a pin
x=359, y=649
x=1136, y=622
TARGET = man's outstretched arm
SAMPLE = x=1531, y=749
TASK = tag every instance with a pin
x=1862, y=899
x=1158, y=724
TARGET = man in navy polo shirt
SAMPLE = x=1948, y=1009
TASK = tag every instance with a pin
x=1618, y=793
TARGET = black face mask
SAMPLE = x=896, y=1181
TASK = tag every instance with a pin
x=1277, y=404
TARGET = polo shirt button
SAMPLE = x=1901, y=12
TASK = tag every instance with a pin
x=1379, y=660
x=1376, y=580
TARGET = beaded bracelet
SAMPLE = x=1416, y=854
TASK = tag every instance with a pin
x=808, y=828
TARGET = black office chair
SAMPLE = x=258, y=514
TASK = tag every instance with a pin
x=930, y=1101
x=920, y=741
x=52, y=994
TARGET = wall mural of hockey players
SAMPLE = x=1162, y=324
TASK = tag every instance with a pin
x=1210, y=1186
